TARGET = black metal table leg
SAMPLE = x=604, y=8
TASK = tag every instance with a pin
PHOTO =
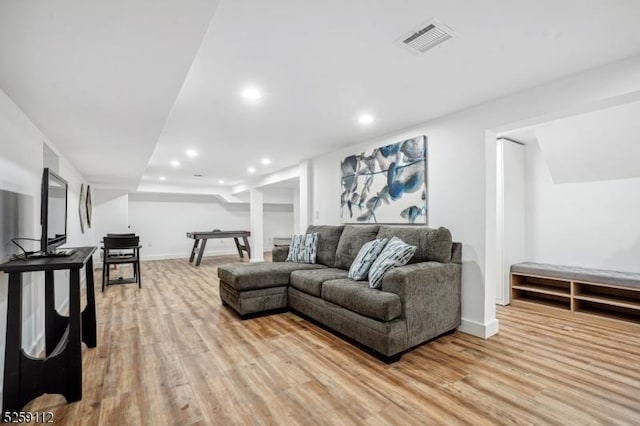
x=247, y=246
x=202, y=246
x=235, y=239
x=193, y=250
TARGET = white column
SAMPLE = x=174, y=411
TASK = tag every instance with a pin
x=487, y=325
x=510, y=213
x=304, y=198
x=296, y=211
x=256, y=218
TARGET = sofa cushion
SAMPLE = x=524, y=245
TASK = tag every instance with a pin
x=395, y=253
x=365, y=258
x=310, y=281
x=356, y=296
x=433, y=244
x=328, y=237
x=303, y=249
x=351, y=241
x=251, y=276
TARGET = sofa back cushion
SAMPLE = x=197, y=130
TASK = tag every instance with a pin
x=432, y=244
x=352, y=239
x=328, y=238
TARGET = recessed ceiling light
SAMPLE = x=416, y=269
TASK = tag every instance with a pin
x=251, y=94
x=163, y=178
x=221, y=182
x=365, y=119
x=265, y=161
x=175, y=163
x=251, y=170
x=192, y=153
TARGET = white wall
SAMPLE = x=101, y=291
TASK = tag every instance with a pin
x=75, y=236
x=162, y=220
x=21, y=159
x=279, y=221
x=590, y=224
x=462, y=172
x=111, y=212
x=21, y=164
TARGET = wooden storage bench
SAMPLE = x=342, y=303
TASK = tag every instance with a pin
x=608, y=293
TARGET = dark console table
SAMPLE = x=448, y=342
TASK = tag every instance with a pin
x=26, y=377
x=204, y=236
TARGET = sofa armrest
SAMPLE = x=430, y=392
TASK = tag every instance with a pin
x=430, y=296
x=279, y=254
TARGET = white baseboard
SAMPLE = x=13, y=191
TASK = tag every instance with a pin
x=478, y=329
x=186, y=256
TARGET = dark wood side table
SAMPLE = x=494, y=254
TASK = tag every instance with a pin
x=26, y=377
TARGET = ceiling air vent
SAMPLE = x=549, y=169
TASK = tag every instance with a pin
x=426, y=36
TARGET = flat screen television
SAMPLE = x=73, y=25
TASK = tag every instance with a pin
x=53, y=213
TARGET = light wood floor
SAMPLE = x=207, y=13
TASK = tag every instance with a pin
x=171, y=354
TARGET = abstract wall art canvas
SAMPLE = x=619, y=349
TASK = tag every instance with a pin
x=82, y=207
x=89, y=206
x=386, y=185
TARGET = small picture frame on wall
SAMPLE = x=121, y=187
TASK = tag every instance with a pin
x=89, y=206
x=82, y=207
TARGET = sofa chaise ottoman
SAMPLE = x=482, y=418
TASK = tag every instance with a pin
x=416, y=302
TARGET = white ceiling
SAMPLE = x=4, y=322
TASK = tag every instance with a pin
x=100, y=79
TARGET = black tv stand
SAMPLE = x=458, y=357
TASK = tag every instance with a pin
x=26, y=377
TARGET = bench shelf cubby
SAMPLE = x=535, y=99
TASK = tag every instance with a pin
x=619, y=301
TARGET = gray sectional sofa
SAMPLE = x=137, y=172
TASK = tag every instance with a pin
x=416, y=302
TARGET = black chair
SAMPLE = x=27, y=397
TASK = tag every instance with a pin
x=123, y=252
x=121, y=249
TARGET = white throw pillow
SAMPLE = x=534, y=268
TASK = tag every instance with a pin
x=396, y=253
x=365, y=258
x=303, y=249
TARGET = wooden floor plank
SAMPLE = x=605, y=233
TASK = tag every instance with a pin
x=170, y=353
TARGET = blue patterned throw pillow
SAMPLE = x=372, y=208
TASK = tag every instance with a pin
x=365, y=258
x=303, y=249
x=396, y=253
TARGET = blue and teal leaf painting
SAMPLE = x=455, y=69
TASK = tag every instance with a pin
x=412, y=213
x=384, y=195
x=390, y=150
x=349, y=168
x=383, y=177
x=413, y=149
x=373, y=203
x=396, y=188
x=366, y=216
x=414, y=177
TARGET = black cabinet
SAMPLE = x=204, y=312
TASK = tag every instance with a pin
x=60, y=371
